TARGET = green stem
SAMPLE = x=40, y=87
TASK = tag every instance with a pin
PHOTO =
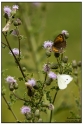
x=43, y=87
x=59, y=63
x=61, y=56
x=4, y=44
x=10, y=108
x=14, y=57
x=20, y=98
x=18, y=40
x=53, y=103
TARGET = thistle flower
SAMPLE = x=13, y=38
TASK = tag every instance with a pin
x=48, y=44
x=25, y=110
x=10, y=80
x=7, y=10
x=15, y=7
x=15, y=51
x=65, y=32
x=31, y=82
x=52, y=75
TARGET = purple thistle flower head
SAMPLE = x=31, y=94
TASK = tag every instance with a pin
x=31, y=82
x=48, y=44
x=15, y=7
x=52, y=75
x=7, y=10
x=10, y=80
x=15, y=51
x=65, y=32
x=25, y=110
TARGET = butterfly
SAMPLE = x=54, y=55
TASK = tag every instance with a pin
x=63, y=80
x=59, y=44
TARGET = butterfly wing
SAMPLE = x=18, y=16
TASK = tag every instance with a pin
x=61, y=82
x=59, y=43
x=67, y=78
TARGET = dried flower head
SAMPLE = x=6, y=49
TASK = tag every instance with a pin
x=46, y=68
x=51, y=107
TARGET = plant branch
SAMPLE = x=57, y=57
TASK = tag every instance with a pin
x=42, y=88
x=53, y=103
x=18, y=40
x=9, y=107
x=19, y=97
x=4, y=44
x=14, y=57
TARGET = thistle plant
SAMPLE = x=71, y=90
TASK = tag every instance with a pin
x=39, y=93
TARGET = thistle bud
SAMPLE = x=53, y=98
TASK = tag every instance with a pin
x=30, y=92
x=11, y=87
x=54, y=66
x=65, y=59
x=19, y=21
x=6, y=16
x=15, y=86
x=56, y=55
x=15, y=23
x=48, y=53
x=37, y=114
x=76, y=72
x=24, y=69
x=48, y=81
x=28, y=116
x=74, y=64
x=79, y=63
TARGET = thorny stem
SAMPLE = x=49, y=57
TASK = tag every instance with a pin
x=14, y=57
x=10, y=108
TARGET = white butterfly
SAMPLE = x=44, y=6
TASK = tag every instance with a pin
x=63, y=80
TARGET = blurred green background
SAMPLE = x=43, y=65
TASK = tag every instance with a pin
x=58, y=16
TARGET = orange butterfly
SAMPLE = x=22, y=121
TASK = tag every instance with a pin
x=59, y=44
